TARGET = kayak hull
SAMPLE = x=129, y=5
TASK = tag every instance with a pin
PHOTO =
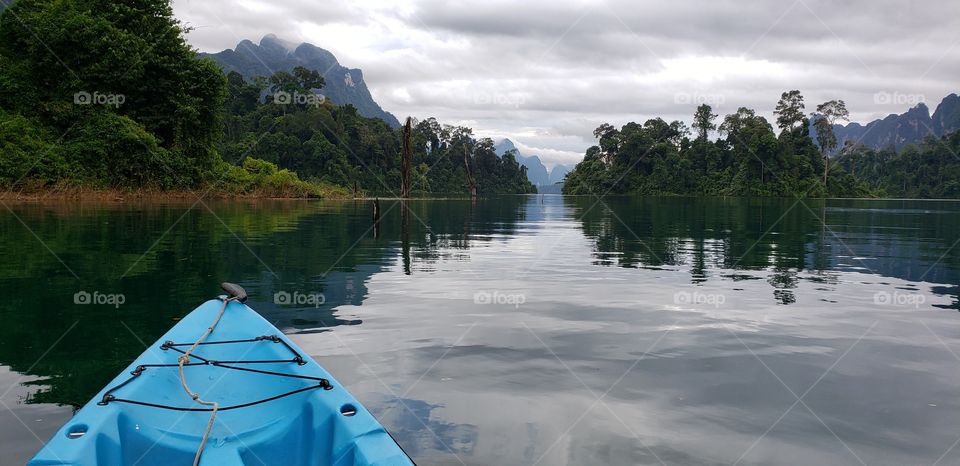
x=277, y=406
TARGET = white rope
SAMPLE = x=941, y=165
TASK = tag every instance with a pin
x=196, y=396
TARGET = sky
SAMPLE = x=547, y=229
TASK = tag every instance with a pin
x=547, y=73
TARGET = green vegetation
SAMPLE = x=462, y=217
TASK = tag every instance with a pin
x=108, y=96
x=298, y=130
x=928, y=170
x=104, y=94
x=751, y=159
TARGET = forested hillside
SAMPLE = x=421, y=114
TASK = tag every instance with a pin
x=101, y=95
x=751, y=159
x=299, y=130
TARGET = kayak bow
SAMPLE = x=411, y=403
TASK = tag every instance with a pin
x=272, y=404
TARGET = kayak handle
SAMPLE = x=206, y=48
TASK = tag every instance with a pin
x=235, y=291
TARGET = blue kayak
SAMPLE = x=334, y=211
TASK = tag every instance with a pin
x=274, y=405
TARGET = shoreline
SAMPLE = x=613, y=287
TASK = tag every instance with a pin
x=116, y=195
x=121, y=196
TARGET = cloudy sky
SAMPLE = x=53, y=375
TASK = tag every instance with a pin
x=546, y=73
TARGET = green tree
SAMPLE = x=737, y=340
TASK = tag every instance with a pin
x=828, y=113
x=789, y=110
x=164, y=104
x=703, y=121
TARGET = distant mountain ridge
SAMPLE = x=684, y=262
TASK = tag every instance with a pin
x=343, y=85
x=909, y=127
x=536, y=171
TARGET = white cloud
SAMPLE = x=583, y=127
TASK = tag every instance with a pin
x=546, y=73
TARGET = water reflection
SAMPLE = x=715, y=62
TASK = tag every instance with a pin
x=611, y=311
x=909, y=240
x=167, y=258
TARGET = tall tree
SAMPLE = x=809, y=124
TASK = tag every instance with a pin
x=703, y=121
x=789, y=110
x=828, y=113
x=734, y=122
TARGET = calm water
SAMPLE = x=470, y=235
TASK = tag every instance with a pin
x=529, y=330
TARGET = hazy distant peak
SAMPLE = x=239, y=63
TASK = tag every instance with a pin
x=504, y=145
x=272, y=41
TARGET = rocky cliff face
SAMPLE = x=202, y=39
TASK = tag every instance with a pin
x=906, y=128
x=343, y=85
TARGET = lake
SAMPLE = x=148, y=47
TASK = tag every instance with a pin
x=527, y=329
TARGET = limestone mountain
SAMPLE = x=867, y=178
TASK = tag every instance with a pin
x=343, y=85
x=906, y=128
x=536, y=172
x=558, y=172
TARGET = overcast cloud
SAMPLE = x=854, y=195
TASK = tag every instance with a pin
x=547, y=73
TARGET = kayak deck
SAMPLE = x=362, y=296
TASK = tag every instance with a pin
x=276, y=406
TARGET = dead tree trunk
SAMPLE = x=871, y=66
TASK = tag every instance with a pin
x=472, y=182
x=826, y=167
x=406, y=159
